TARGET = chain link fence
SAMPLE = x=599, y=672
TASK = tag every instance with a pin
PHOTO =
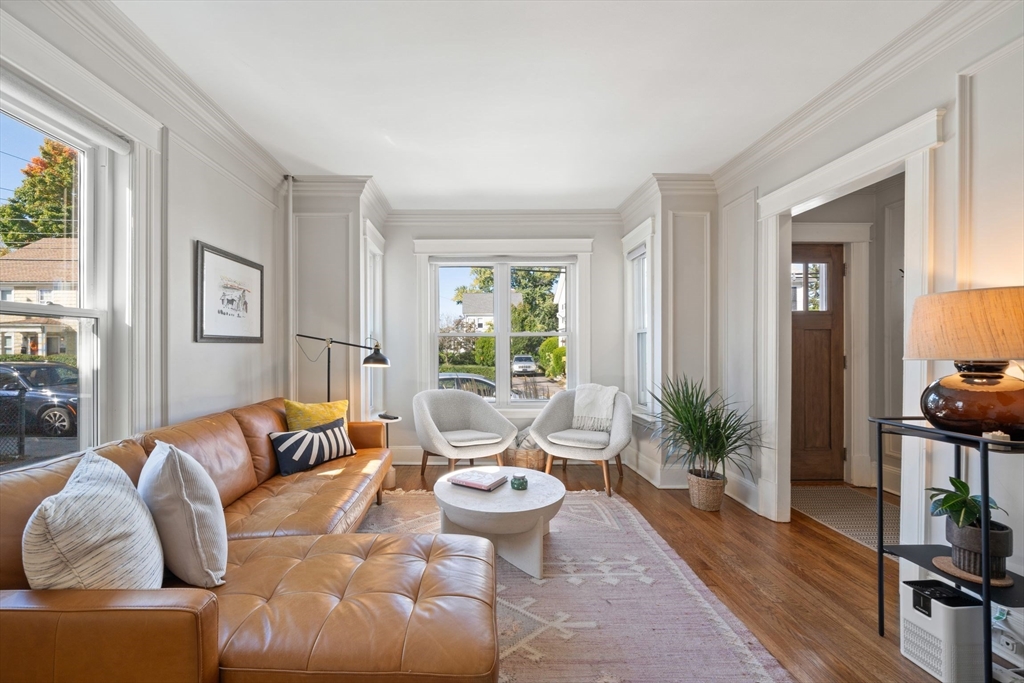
x=12, y=427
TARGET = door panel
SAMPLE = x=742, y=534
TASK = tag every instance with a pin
x=817, y=302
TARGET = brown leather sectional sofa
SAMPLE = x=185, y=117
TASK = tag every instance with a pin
x=303, y=599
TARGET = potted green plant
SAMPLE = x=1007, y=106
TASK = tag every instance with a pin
x=963, y=529
x=701, y=430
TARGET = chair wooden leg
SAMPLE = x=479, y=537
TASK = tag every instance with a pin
x=380, y=495
x=618, y=464
x=565, y=464
x=607, y=481
x=548, y=463
x=472, y=462
x=423, y=467
x=501, y=460
x=451, y=465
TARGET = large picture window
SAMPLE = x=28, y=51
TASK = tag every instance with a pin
x=48, y=338
x=501, y=329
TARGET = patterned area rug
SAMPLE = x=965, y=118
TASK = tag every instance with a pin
x=616, y=603
x=848, y=511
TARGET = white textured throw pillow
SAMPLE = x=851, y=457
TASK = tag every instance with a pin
x=96, y=533
x=187, y=511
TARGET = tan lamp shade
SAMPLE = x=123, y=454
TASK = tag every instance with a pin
x=968, y=325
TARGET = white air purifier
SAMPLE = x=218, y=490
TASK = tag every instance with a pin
x=941, y=631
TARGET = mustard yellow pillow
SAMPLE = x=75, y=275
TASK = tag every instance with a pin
x=309, y=415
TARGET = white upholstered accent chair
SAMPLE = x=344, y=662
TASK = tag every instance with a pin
x=458, y=425
x=553, y=432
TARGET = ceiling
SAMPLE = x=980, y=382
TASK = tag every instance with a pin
x=514, y=105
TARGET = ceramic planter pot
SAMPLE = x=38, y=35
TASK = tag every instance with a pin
x=706, y=490
x=966, y=544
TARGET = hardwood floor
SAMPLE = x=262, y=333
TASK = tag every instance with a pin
x=805, y=591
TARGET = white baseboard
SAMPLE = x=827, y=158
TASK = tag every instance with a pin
x=891, y=479
x=742, y=490
x=654, y=471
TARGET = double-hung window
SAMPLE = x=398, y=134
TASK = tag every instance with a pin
x=50, y=314
x=502, y=328
x=637, y=250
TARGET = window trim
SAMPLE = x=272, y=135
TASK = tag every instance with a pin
x=95, y=274
x=640, y=240
x=372, y=317
x=429, y=252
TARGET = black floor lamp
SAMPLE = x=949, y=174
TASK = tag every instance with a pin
x=376, y=359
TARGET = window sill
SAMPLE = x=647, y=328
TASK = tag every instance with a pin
x=643, y=418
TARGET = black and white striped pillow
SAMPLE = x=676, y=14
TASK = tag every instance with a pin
x=305, y=448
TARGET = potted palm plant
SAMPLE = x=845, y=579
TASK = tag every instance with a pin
x=963, y=529
x=701, y=430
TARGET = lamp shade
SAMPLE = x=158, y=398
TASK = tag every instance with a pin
x=376, y=359
x=968, y=325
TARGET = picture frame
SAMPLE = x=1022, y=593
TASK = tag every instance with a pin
x=228, y=297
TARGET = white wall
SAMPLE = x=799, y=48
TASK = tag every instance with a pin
x=195, y=175
x=992, y=235
x=202, y=204
x=401, y=295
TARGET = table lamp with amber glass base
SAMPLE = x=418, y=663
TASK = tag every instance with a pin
x=981, y=331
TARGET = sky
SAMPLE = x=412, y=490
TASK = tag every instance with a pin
x=18, y=144
x=448, y=279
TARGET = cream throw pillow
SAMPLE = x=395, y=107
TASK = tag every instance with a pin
x=187, y=511
x=96, y=533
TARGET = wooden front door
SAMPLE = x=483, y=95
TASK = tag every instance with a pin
x=817, y=303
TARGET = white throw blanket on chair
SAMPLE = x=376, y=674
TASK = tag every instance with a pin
x=594, y=407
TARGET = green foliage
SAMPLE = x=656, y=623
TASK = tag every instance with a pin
x=963, y=508
x=44, y=204
x=66, y=358
x=484, y=353
x=557, y=368
x=699, y=428
x=483, y=281
x=545, y=350
x=482, y=370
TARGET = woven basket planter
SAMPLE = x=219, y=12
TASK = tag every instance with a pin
x=525, y=458
x=706, y=494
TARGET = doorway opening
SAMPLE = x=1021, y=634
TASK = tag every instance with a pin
x=846, y=311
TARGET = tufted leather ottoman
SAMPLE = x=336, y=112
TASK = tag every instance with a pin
x=359, y=608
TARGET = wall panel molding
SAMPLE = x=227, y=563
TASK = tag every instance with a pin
x=965, y=119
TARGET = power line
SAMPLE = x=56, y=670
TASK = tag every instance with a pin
x=29, y=161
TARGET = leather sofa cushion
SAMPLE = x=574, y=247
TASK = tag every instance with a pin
x=217, y=442
x=359, y=607
x=256, y=422
x=331, y=498
x=23, y=489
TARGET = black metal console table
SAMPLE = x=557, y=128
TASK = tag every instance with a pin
x=922, y=555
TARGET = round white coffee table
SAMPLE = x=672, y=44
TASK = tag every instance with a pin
x=514, y=521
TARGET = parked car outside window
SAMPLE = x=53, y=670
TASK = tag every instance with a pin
x=51, y=395
x=524, y=365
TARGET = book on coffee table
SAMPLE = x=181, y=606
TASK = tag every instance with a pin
x=484, y=481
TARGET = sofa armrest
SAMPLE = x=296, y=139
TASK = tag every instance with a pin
x=109, y=635
x=366, y=434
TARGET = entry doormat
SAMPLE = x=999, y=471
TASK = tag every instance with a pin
x=848, y=511
x=616, y=603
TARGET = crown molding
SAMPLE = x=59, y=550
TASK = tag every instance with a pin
x=330, y=185
x=105, y=26
x=947, y=24
x=684, y=183
x=376, y=198
x=638, y=199
x=599, y=218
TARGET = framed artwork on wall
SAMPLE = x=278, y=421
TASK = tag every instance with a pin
x=228, y=297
